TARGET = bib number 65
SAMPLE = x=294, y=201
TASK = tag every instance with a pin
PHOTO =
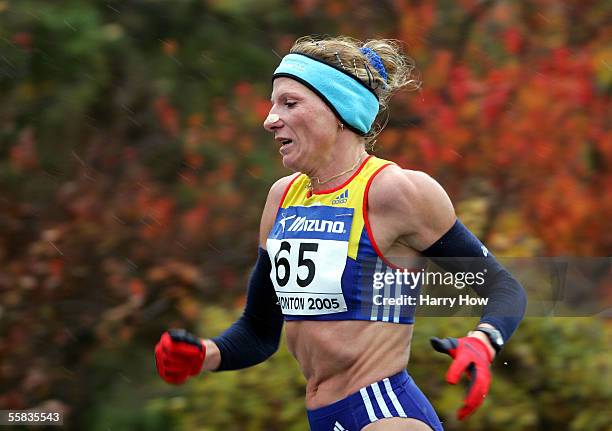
x=282, y=261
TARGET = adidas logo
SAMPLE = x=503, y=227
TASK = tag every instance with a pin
x=338, y=427
x=342, y=198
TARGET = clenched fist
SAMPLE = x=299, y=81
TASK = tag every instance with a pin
x=178, y=355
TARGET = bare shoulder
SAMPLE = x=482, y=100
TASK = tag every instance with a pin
x=273, y=200
x=394, y=187
x=415, y=202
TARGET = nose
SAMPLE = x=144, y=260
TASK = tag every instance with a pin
x=272, y=122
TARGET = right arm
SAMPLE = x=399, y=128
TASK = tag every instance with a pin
x=255, y=336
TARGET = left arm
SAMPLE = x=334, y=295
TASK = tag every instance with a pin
x=430, y=226
x=458, y=250
x=427, y=223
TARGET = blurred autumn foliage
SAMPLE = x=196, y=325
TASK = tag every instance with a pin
x=134, y=168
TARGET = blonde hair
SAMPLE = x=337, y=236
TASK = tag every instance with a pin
x=344, y=52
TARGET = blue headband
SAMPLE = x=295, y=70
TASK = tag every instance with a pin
x=351, y=100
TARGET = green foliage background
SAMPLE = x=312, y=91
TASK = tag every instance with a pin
x=133, y=171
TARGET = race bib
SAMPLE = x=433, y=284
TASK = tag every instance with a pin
x=308, y=248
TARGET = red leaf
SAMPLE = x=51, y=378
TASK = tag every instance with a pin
x=513, y=40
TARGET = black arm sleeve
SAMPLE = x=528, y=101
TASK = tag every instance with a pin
x=459, y=250
x=255, y=336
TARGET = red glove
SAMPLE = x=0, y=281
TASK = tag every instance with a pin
x=178, y=355
x=472, y=355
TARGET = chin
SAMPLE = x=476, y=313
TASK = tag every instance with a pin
x=290, y=162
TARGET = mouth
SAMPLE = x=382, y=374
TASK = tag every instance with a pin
x=285, y=146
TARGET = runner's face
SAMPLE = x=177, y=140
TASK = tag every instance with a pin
x=299, y=115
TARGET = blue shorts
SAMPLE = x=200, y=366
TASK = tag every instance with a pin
x=393, y=397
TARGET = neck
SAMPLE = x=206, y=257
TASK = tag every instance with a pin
x=336, y=170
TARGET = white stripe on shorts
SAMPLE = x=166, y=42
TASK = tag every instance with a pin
x=394, y=400
x=368, y=404
x=381, y=401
